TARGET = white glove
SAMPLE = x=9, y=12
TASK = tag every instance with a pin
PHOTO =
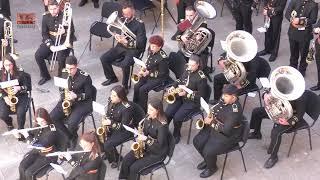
x=67, y=156
x=25, y=134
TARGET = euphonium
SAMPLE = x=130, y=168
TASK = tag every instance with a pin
x=12, y=98
x=170, y=97
x=139, y=146
x=287, y=84
x=102, y=131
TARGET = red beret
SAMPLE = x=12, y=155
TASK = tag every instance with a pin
x=157, y=40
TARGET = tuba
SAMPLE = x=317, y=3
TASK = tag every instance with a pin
x=139, y=146
x=199, y=37
x=115, y=23
x=8, y=38
x=287, y=84
x=12, y=98
x=241, y=47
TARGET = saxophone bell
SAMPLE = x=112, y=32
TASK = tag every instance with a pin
x=135, y=78
x=66, y=106
x=200, y=124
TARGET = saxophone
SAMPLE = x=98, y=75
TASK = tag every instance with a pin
x=66, y=104
x=12, y=98
x=102, y=131
x=139, y=146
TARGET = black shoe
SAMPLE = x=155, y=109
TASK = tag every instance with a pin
x=315, y=88
x=82, y=3
x=202, y=165
x=270, y=162
x=15, y=41
x=208, y=172
x=177, y=139
x=255, y=135
x=272, y=58
x=95, y=4
x=43, y=80
x=21, y=138
x=109, y=81
x=262, y=53
x=114, y=165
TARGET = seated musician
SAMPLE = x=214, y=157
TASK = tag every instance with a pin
x=177, y=60
x=185, y=103
x=181, y=8
x=282, y=126
x=10, y=71
x=157, y=71
x=50, y=26
x=155, y=143
x=126, y=49
x=79, y=94
x=222, y=130
x=46, y=138
x=120, y=111
x=86, y=165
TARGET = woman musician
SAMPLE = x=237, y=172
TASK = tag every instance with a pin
x=156, y=145
x=45, y=138
x=86, y=165
x=10, y=71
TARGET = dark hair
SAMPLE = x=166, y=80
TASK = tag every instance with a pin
x=127, y=4
x=190, y=8
x=43, y=113
x=157, y=40
x=15, y=69
x=121, y=93
x=157, y=104
x=53, y=3
x=71, y=60
x=91, y=137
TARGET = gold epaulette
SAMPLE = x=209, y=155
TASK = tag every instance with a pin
x=84, y=73
x=201, y=74
x=163, y=54
x=127, y=105
x=139, y=20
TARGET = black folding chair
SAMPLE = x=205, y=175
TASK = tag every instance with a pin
x=94, y=91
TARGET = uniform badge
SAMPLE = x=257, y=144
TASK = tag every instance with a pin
x=235, y=108
x=84, y=73
x=201, y=74
x=163, y=54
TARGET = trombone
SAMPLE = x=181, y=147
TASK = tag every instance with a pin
x=8, y=40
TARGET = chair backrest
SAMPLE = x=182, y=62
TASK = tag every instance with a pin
x=94, y=93
x=264, y=68
x=28, y=79
x=103, y=170
x=110, y=7
x=211, y=44
x=208, y=93
x=138, y=113
x=172, y=144
x=313, y=104
x=245, y=132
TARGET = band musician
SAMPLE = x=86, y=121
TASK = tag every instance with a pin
x=317, y=54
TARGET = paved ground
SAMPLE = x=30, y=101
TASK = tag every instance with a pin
x=302, y=164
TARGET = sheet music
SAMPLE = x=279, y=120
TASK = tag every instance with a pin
x=265, y=82
x=205, y=105
x=10, y=83
x=99, y=108
x=58, y=168
x=139, y=62
x=60, y=82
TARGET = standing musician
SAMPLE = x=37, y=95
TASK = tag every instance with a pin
x=181, y=7
x=194, y=79
x=126, y=49
x=283, y=126
x=61, y=4
x=317, y=55
x=120, y=111
x=46, y=138
x=177, y=60
x=156, y=72
x=273, y=12
x=301, y=14
x=86, y=165
x=155, y=147
x=10, y=71
x=50, y=25
x=80, y=96
x=222, y=130
x=242, y=13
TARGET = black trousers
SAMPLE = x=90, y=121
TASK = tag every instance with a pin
x=21, y=109
x=299, y=48
x=272, y=36
x=78, y=111
x=32, y=164
x=209, y=144
x=117, y=53
x=43, y=53
x=178, y=112
x=257, y=115
x=142, y=88
x=242, y=15
x=131, y=166
x=177, y=63
x=317, y=58
x=112, y=141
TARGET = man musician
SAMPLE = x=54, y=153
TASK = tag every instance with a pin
x=194, y=79
x=242, y=11
x=126, y=49
x=50, y=33
x=301, y=14
x=222, y=130
x=273, y=12
x=181, y=8
x=80, y=94
x=316, y=30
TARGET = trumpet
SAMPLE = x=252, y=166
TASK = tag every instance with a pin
x=135, y=78
x=12, y=98
x=8, y=38
x=102, y=131
x=170, y=97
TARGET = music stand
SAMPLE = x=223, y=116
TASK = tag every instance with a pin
x=165, y=6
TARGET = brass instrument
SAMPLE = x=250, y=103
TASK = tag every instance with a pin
x=170, y=97
x=139, y=146
x=12, y=98
x=287, y=84
x=241, y=47
x=66, y=21
x=135, y=78
x=199, y=37
x=8, y=40
x=102, y=131
x=115, y=23
x=66, y=104
x=310, y=56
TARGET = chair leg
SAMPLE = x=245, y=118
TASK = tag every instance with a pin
x=244, y=164
x=164, y=167
x=170, y=14
x=83, y=126
x=293, y=137
x=94, y=124
x=309, y=133
x=189, y=133
x=90, y=38
x=156, y=24
x=244, y=102
x=260, y=98
x=131, y=71
x=224, y=165
x=222, y=8
x=30, y=114
x=119, y=157
x=154, y=17
x=151, y=174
